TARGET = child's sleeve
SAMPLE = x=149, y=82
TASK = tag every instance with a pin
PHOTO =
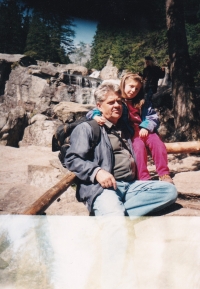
x=92, y=113
x=150, y=120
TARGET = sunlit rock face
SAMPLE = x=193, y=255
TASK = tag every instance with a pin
x=109, y=71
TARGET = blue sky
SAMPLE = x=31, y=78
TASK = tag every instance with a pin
x=85, y=30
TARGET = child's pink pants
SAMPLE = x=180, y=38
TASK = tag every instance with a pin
x=158, y=152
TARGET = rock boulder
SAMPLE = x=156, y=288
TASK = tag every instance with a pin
x=26, y=174
x=70, y=111
x=39, y=132
x=12, y=126
x=109, y=71
x=73, y=68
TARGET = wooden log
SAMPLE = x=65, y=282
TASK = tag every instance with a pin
x=39, y=206
x=183, y=147
x=52, y=194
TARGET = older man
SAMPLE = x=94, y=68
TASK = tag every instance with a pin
x=107, y=182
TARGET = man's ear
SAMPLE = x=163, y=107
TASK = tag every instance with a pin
x=99, y=105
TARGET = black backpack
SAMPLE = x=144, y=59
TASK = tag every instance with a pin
x=61, y=138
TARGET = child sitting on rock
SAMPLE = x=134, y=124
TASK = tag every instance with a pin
x=144, y=122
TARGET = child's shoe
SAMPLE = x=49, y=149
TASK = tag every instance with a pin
x=166, y=178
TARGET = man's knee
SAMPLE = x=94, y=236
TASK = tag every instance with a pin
x=108, y=203
x=170, y=192
x=174, y=192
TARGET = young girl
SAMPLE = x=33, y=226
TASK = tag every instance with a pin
x=144, y=121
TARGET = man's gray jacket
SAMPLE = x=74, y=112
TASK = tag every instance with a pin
x=85, y=161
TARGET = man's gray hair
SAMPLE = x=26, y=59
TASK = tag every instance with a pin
x=103, y=89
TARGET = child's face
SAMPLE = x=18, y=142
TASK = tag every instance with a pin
x=132, y=87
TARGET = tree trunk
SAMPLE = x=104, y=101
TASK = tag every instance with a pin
x=185, y=106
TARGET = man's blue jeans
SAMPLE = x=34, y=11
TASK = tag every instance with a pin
x=135, y=199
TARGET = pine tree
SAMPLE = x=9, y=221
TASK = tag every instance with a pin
x=11, y=27
x=49, y=37
x=38, y=42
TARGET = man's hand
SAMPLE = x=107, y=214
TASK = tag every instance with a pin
x=100, y=119
x=143, y=132
x=106, y=179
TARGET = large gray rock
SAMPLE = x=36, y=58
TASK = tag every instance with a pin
x=109, y=71
x=39, y=132
x=25, y=87
x=69, y=111
x=12, y=126
x=48, y=69
x=8, y=62
x=13, y=57
x=61, y=93
x=28, y=172
x=188, y=183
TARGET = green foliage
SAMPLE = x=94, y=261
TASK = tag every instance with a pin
x=127, y=47
x=88, y=64
x=192, y=11
x=11, y=27
x=47, y=38
x=38, y=41
x=102, y=45
x=39, y=34
x=193, y=37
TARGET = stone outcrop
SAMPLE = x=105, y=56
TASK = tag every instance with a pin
x=26, y=173
x=109, y=71
x=8, y=61
x=20, y=58
x=69, y=111
x=35, y=88
x=12, y=125
x=39, y=132
x=24, y=88
x=188, y=183
x=73, y=68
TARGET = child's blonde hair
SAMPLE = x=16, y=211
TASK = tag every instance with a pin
x=138, y=100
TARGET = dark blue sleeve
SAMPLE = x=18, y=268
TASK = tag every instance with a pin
x=150, y=120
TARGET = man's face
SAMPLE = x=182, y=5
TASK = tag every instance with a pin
x=148, y=62
x=111, y=107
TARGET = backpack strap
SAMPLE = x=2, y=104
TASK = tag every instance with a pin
x=96, y=131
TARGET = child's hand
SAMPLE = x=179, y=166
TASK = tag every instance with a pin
x=100, y=119
x=143, y=132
